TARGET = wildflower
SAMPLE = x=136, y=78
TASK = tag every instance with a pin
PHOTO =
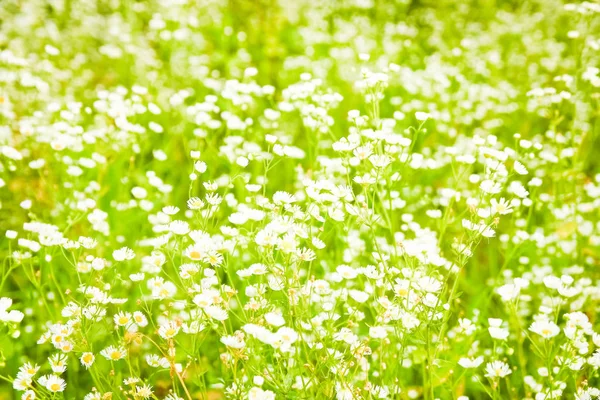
x=422, y=116
x=274, y=319
x=144, y=392
x=489, y=186
x=216, y=312
x=193, y=253
x=28, y=370
x=139, y=192
x=123, y=254
x=257, y=393
x=545, y=329
x=378, y=332
x=234, y=341
x=302, y=249
x=501, y=206
x=195, y=203
x=520, y=168
x=286, y=337
x=179, y=227
x=122, y=318
x=22, y=383
x=55, y=384
x=169, y=330
x=113, y=353
x=87, y=359
x=140, y=319
x=28, y=395
x=58, y=363
x=130, y=381
x=495, y=329
x=470, y=362
x=497, y=369
x=170, y=210
x=509, y=292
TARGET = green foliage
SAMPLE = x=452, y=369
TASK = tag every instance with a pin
x=350, y=199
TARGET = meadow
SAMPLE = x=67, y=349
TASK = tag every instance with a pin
x=299, y=199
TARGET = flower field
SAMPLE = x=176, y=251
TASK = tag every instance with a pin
x=299, y=199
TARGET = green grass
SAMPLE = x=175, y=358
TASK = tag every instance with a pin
x=268, y=93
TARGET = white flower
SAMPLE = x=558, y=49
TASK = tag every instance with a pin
x=467, y=326
x=429, y=284
x=139, y=192
x=283, y=198
x=168, y=330
x=216, y=312
x=87, y=359
x=113, y=353
x=55, y=384
x=490, y=187
x=140, y=319
x=195, y=203
x=501, y=206
x=29, y=244
x=286, y=336
x=518, y=189
x=170, y=210
x=359, y=296
x=378, y=332
x=242, y=162
x=122, y=318
x=497, y=369
x=179, y=227
x=509, y=291
x=23, y=383
x=9, y=316
x=28, y=395
x=496, y=331
x=594, y=360
x=234, y=341
x=274, y=319
x=343, y=392
x=422, y=116
x=546, y=329
x=257, y=393
x=200, y=166
x=520, y=168
x=28, y=370
x=470, y=362
x=122, y=254
x=346, y=335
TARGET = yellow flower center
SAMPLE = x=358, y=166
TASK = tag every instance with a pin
x=195, y=255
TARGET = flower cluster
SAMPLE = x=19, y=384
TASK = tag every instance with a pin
x=301, y=200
